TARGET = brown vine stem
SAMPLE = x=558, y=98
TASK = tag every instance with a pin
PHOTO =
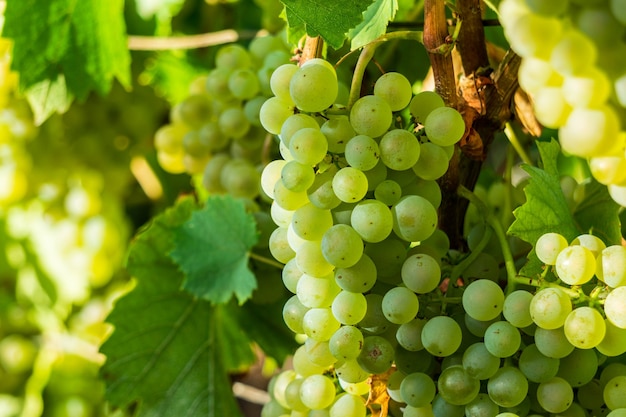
x=154, y=43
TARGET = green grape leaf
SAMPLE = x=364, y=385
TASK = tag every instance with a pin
x=598, y=214
x=212, y=249
x=376, y=19
x=545, y=209
x=329, y=19
x=65, y=49
x=170, y=352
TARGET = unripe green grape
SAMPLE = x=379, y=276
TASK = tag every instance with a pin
x=362, y=152
x=414, y=218
x=428, y=189
x=243, y=84
x=591, y=242
x=371, y=116
x=316, y=292
x=479, y=363
x=534, y=35
x=293, y=313
x=614, y=392
x=614, y=342
x=575, y=265
x=388, y=256
x=611, y=266
x=169, y=138
x=589, y=89
x=535, y=74
x=609, y=169
x=399, y=149
x=338, y=132
x=376, y=175
x=294, y=124
x=536, y=366
x=423, y=103
x=618, y=194
x=374, y=317
x=280, y=80
x=441, y=336
x=409, y=335
x=279, y=245
x=320, y=324
x=319, y=353
x=240, y=178
x=507, y=387
x=349, y=307
x=377, y=354
x=292, y=395
x=232, y=57
x=573, y=53
x=342, y=246
x=313, y=88
x=551, y=108
x=270, y=175
x=217, y=84
x=584, y=327
x=348, y=405
x=432, y=163
x=400, y=305
x=421, y=273
x=555, y=395
x=502, y=339
x=346, y=343
x=360, y=277
x=195, y=110
x=287, y=199
x=372, y=220
x=296, y=176
x=483, y=299
x=350, y=184
x=549, y=308
x=457, y=386
x=552, y=342
x=311, y=260
x=310, y=222
x=579, y=367
x=516, y=308
x=444, y=126
x=350, y=371
x=388, y=192
x=274, y=113
x=481, y=406
x=308, y=146
x=417, y=389
x=443, y=408
x=317, y=392
x=394, y=88
x=290, y=275
x=548, y=247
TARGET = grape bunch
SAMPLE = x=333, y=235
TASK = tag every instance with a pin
x=573, y=66
x=215, y=132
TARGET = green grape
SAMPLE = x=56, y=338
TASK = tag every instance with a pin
x=395, y=89
x=614, y=342
x=320, y=324
x=359, y=388
x=376, y=175
x=409, y=335
x=217, y=84
x=293, y=312
x=240, y=178
x=350, y=371
x=424, y=188
x=270, y=176
x=310, y=222
x=195, y=110
x=618, y=194
x=321, y=193
x=348, y=405
x=477, y=327
x=311, y=260
x=371, y=116
x=292, y=395
x=414, y=218
x=584, y=327
x=350, y=184
x=317, y=392
x=338, y=132
x=433, y=162
x=308, y=146
x=195, y=145
x=536, y=366
x=409, y=362
x=611, y=266
x=589, y=395
x=502, y=339
x=273, y=408
x=444, y=126
x=388, y=192
x=481, y=406
x=232, y=56
x=376, y=356
x=590, y=132
x=280, y=80
x=426, y=411
x=319, y=353
x=279, y=245
x=399, y=149
x=615, y=307
x=478, y=362
x=421, y=273
x=294, y=124
x=552, y=342
x=342, y=246
x=374, y=317
x=516, y=308
x=610, y=169
x=291, y=274
x=346, y=343
x=243, y=84
x=442, y=408
x=342, y=213
x=579, y=367
x=417, y=389
x=297, y=177
x=388, y=257
x=483, y=300
x=534, y=35
x=314, y=88
x=372, y=220
x=393, y=385
x=316, y=292
x=274, y=113
x=359, y=277
x=549, y=308
x=610, y=371
x=614, y=393
x=535, y=74
x=169, y=138
x=423, y=103
x=548, y=247
x=507, y=387
x=589, y=89
x=400, y=305
x=457, y=386
x=362, y=152
x=441, y=336
x=575, y=265
x=555, y=395
x=349, y=307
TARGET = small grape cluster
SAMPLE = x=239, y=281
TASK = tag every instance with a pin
x=215, y=132
x=573, y=67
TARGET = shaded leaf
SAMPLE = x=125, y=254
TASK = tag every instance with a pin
x=212, y=250
x=376, y=19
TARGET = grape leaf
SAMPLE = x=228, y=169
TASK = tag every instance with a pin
x=329, y=19
x=65, y=49
x=165, y=351
x=376, y=19
x=598, y=214
x=212, y=247
x=545, y=209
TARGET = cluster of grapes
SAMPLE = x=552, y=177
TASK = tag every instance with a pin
x=215, y=132
x=573, y=67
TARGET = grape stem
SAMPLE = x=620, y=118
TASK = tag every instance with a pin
x=495, y=224
x=510, y=134
x=158, y=43
x=265, y=260
x=462, y=266
x=367, y=53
